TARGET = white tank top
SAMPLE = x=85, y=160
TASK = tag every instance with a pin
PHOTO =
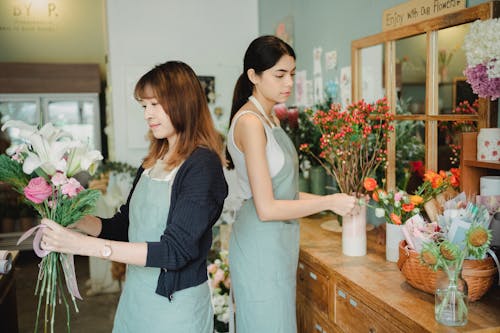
x=274, y=153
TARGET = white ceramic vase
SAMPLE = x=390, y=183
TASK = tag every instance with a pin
x=354, y=233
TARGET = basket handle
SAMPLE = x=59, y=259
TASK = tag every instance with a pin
x=402, y=258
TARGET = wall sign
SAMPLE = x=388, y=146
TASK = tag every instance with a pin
x=29, y=16
x=418, y=10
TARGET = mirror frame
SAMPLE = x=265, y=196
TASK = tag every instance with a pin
x=488, y=110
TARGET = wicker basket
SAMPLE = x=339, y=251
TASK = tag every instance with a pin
x=479, y=274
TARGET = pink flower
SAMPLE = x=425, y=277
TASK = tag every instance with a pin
x=59, y=179
x=281, y=111
x=212, y=268
x=38, y=190
x=71, y=188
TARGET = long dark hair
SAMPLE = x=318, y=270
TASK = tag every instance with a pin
x=262, y=53
x=178, y=90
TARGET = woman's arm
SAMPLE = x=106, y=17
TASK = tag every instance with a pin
x=60, y=239
x=251, y=139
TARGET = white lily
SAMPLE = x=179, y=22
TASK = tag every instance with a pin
x=25, y=130
x=47, y=156
x=80, y=158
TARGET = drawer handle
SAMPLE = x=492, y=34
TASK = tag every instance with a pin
x=301, y=265
x=341, y=293
x=313, y=276
x=353, y=302
x=318, y=328
x=372, y=330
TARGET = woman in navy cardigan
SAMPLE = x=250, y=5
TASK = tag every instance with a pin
x=163, y=232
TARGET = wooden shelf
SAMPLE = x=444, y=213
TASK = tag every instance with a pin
x=481, y=164
x=471, y=169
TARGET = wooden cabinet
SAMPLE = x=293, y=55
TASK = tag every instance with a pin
x=472, y=169
x=336, y=293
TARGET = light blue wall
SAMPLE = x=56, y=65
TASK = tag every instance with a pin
x=329, y=24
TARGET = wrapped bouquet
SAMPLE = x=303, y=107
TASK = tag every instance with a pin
x=42, y=170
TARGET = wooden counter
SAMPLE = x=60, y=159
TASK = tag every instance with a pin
x=336, y=293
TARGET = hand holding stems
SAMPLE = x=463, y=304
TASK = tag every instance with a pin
x=343, y=204
x=60, y=239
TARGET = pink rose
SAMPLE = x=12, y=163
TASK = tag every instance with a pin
x=38, y=190
x=71, y=188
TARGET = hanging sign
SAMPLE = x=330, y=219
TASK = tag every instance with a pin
x=418, y=10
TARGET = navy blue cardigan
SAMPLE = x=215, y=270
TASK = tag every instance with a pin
x=198, y=194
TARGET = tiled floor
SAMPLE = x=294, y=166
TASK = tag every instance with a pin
x=95, y=315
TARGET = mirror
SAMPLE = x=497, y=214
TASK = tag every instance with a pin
x=424, y=83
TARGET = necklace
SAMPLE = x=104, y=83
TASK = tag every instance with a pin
x=261, y=110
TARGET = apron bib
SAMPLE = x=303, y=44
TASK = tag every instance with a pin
x=140, y=309
x=263, y=257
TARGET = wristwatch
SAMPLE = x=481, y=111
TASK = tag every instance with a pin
x=106, y=250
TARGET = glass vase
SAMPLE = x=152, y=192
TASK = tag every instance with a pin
x=451, y=299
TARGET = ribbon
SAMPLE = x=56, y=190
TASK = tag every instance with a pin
x=67, y=260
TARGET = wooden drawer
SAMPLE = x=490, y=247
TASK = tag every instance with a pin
x=352, y=315
x=309, y=320
x=313, y=284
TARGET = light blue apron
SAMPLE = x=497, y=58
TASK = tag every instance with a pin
x=263, y=257
x=140, y=309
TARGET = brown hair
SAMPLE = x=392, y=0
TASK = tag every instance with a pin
x=178, y=90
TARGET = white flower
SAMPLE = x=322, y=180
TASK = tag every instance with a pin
x=80, y=158
x=482, y=45
x=379, y=212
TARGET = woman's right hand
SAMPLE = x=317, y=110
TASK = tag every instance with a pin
x=342, y=204
x=88, y=224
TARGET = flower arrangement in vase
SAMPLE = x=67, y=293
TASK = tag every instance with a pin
x=220, y=285
x=460, y=233
x=482, y=50
x=353, y=144
x=42, y=170
x=396, y=207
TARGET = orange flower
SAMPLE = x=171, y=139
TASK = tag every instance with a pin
x=375, y=196
x=370, y=184
x=454, y=181
x=416, y=199
x=408, y=207
x=430, y=175
x=396, y=219
x=436, y=181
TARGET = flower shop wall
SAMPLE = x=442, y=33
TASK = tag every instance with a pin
x=209, y=36
x=331, y=25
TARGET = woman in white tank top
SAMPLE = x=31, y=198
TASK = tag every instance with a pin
x=264, y=242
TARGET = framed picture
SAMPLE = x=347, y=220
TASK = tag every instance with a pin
x=208, y=85
x=462, y=91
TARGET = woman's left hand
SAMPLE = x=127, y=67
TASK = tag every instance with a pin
x=60, y=239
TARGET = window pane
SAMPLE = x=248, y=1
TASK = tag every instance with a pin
x=452, y=62
x=410, y=154
x=410, y=72
x=372, y=65
x=74, y=117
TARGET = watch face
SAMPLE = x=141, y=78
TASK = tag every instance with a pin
x=106, y=251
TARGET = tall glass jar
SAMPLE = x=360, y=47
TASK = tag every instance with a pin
x=451, y=298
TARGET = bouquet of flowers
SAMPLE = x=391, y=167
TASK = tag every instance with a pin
x=42, y=170
x=436, y=189
x=353, y=142
x=220, y=284
x=460, y=233
x=394, y=206
x=481, y=46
